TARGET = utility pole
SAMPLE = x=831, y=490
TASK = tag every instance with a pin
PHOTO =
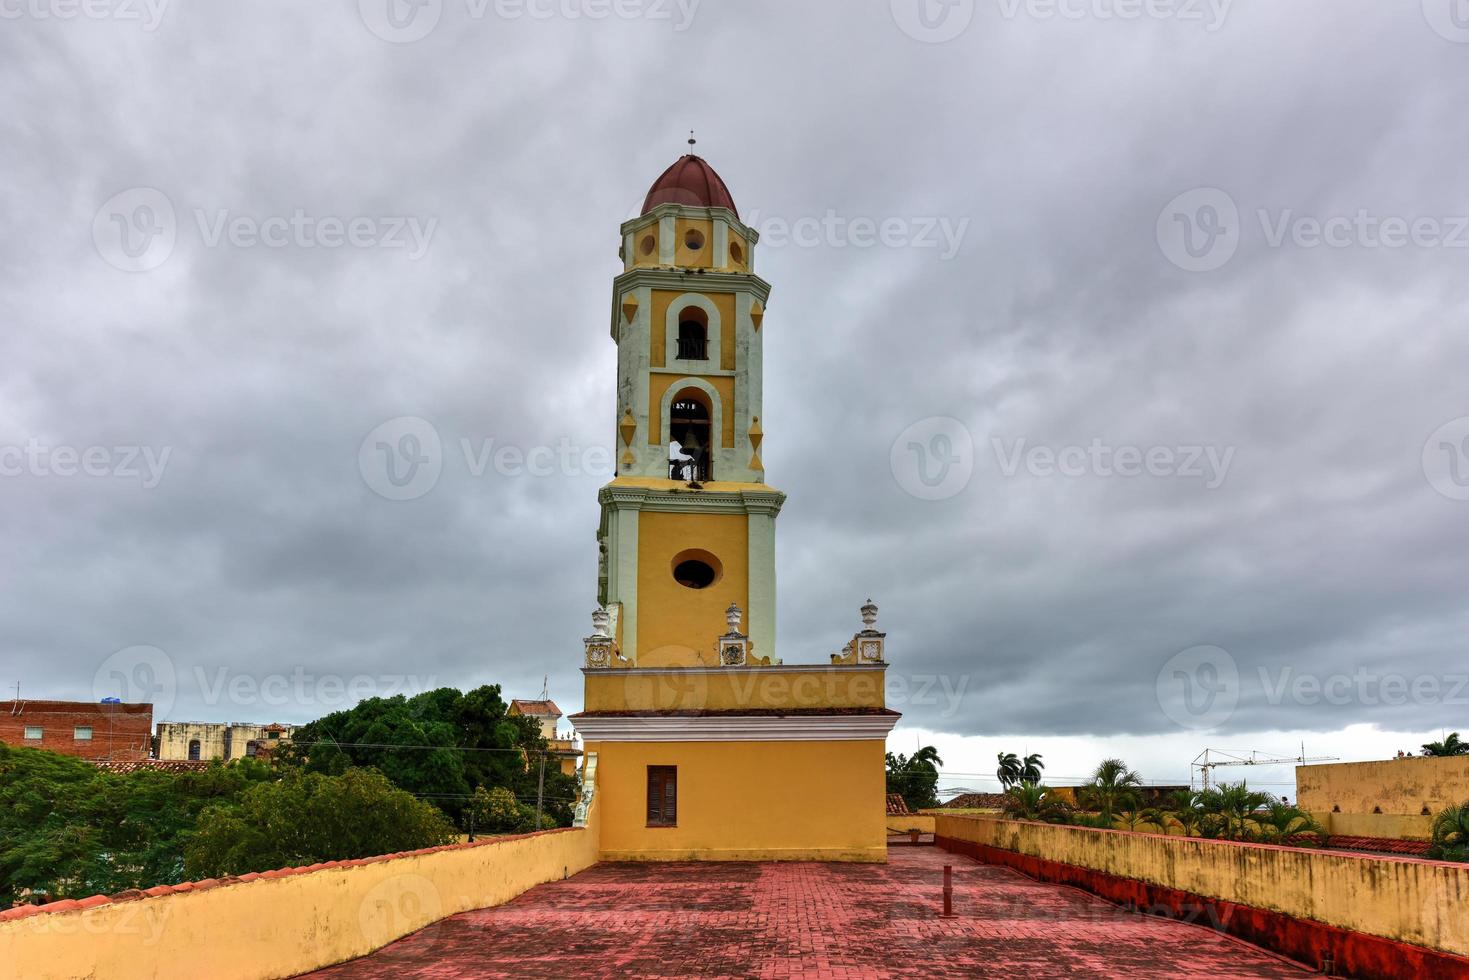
x=540, y=789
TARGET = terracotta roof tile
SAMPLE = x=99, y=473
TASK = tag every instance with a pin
x=536, y=708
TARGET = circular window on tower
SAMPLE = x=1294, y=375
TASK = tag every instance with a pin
x=736, y=253
x=648, y=244
x=696, y=569
x=694, y=239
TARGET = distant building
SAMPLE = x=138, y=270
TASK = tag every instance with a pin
x=85, y=729
x=976, y=801
x=1391, y=799
x=202, y=741
x=548, y=715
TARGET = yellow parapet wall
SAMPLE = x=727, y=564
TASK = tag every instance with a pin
x=1393, y=826
x=727, y=688
x=905, y=822
x=746, y=801
x=1420, y=903
x=283, y=923
x=1403, y=787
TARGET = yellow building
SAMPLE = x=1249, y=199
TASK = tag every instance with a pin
x=704, y=744
x=547, y=715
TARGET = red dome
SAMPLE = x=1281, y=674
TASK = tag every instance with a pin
x=693, y=182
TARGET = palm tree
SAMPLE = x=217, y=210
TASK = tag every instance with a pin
x=1113, y=786
x=1010, y=771
x=1183, y=806
x=915, y=777
x=1282, y=823
x=1131, y=816
x=1234, y=804
x=1451, y=745
x=1030, y=769
x=1031, y=801
x=1451, y=834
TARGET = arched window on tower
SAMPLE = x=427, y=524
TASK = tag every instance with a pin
x=693, y=335
x=194, y=750
x=691, y=451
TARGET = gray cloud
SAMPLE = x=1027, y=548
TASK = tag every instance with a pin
x=1060, y=320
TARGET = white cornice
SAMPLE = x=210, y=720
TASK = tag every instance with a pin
x=736, y=728
x=684, y=279
x=651, y=217
x=685, y=500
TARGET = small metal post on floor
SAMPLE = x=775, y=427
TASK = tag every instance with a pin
x=948, y=893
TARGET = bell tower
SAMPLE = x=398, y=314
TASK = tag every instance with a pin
x=688, y=523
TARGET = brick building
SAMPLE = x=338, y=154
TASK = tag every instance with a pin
x=88, y=730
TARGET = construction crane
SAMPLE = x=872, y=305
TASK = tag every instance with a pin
x=1205, y=763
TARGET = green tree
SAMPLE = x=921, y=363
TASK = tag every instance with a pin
x=1015, y=771
x=1009, y=770
x=1450, y=834
x=1113, y=786
x=307, y=817
x=915, y=778
x=1032, y=801
x=440, y=745
x=1231, y=808
x=1182, y=807
x=1281, y=823
x=1451, y=745
x=497, y=811
x=71, y=830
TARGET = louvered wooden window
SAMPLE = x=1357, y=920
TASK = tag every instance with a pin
x=663, y=796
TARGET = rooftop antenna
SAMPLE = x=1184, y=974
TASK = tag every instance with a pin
x=545, y=687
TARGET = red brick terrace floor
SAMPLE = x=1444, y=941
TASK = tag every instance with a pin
x=829, y=921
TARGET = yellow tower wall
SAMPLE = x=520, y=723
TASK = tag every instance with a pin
x=677, y=625
x=658, y=349
x=746, y=801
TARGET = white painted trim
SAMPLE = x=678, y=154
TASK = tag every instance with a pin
x=740, y=728
x=670, y=333
x=716, y=421
x=666, y=244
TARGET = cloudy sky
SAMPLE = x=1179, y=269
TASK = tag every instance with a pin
x=1116, y=349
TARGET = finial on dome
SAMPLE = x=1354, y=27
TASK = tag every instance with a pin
x=692, y=141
